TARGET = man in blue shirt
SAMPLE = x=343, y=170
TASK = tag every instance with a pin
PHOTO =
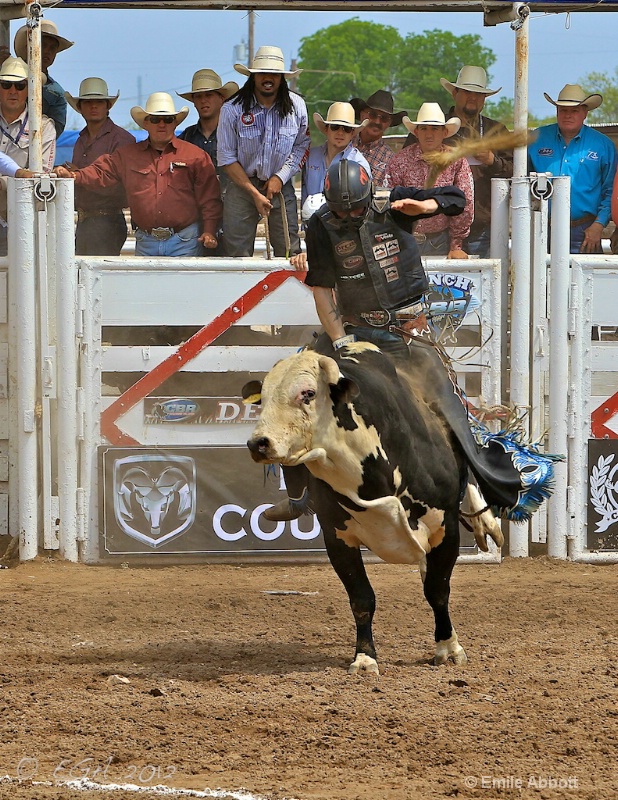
x=587, y=156
x=263, y=141
x=54, y=101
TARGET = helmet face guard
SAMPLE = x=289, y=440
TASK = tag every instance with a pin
x=347, y=186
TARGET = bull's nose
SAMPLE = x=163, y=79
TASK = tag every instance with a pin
x=258, y=447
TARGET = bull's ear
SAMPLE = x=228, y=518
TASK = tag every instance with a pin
x=252, y=393
x=330, y=368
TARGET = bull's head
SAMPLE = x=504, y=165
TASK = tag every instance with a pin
x=295, y=397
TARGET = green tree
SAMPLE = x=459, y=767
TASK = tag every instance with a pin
x=607, y=85
x=429, y=56
x=352, y=59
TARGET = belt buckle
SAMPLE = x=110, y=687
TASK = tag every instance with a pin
x=421, y=238
x=162, y=234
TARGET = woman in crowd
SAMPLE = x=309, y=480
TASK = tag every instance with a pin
x=440, y=235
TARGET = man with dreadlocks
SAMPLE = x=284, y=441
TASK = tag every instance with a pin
x=263, y=140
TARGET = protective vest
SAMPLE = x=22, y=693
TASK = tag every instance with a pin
x=390, y=255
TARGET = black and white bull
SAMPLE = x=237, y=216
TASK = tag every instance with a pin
x=385, y=473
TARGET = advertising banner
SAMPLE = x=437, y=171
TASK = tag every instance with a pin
x=603, y=494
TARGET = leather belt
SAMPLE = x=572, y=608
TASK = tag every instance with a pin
x=421, y=238
x=162, y=234
x=82, y=215
x=587, y=218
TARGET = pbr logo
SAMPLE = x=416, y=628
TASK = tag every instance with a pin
x=154, y=496
x=175, y=409
x=449, y=298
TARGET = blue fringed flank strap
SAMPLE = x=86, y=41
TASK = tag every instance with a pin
x=535, y=470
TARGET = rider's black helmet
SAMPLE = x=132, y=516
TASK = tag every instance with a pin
x=347, y=186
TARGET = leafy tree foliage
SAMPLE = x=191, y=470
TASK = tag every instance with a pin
x=355, y=58
x=504, y=111
x=607, y=85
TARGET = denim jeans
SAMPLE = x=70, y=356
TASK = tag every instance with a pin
x=477, y=244
x=577, y=238
x=183, y=243
x=101, y=235
x=437, y=245
x=241, y=217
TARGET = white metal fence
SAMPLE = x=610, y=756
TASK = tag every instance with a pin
x=97, y=347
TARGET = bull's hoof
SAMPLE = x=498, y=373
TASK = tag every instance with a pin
x=363, y=663
x=450, y=650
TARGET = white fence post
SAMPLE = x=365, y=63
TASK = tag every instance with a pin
x=559, y=363
x=520, y=325
x=67, y=356
x=22, y=317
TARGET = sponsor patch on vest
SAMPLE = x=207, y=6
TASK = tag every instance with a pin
x=345, y=248
x=392, y=247
x=379, y=251
x=388, y=261
x=391, y=274
x=382, y=237
x=353, y=262
x=377, y=319
x=247, y=119
x=546, y=151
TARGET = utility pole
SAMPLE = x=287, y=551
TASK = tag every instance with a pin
x=293, y=78
x=251, y=29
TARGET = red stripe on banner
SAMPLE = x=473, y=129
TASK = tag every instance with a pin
x=601, y=415
x=186, y=352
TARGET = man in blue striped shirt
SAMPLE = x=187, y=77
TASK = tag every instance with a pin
x=587, y=156
x=263, y=140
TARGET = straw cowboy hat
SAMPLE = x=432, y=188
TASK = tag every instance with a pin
x=471, y=79
x=432, y=114
x=338, y=114
x=379, y=101
x=159, y=104
x=207, y=80
x=14, y=70
x=91, y=89
x=267, y=59
x=573, y=95
x=48, y=28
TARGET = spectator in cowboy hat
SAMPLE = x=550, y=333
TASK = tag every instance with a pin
x=587, y=156
x=208, y=94
x=263, y=139
x=379, y=112
x=339, y=128
x=14, y=128
x=469, y=93
x=441, y=235
x=54, y=101
x=101, y=226
x=171, y=185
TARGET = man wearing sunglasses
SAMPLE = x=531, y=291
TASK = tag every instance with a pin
x=14, y=128
x=171, y=185
x=378, y=111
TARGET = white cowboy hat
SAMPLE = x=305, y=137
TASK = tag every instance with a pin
x=338, y=114
x=267, y=59
x=91, y=89
x=573, y=95
x=14, y=70
x=159, y=104
x=207, y=80
x=432, y=114
x=20, y=44
x=471, y=79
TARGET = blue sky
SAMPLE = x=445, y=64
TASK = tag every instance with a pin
x=160, y=50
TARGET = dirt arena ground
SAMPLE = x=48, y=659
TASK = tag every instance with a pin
x=196, y=678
